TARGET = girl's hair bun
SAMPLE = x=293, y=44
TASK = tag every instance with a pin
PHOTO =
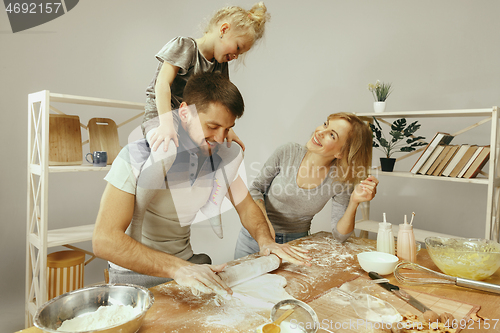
x=251, y=22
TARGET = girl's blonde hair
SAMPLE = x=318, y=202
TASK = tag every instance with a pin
x=356, y=158
x=250, y=22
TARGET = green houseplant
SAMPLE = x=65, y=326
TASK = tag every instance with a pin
x=400, y=131
x=380, y=92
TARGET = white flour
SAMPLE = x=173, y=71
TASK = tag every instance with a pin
x=250, y=304
x=104, y=316
x=329, y=257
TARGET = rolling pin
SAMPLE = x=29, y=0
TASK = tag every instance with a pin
x=250, y=269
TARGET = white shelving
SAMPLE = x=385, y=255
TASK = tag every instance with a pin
x=490, y=179
x=39, y=238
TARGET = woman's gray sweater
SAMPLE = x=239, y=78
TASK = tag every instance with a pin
x=289, y=207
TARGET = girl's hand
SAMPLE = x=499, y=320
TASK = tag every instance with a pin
x=164, y=133
x=231, y=136
x=365, y=191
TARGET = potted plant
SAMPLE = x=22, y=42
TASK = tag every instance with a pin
x=380, y=92
x=399, y=131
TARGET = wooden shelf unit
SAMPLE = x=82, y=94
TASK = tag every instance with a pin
x=491, y=179
x=39, y=238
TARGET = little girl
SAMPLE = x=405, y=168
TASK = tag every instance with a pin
x=231, y=32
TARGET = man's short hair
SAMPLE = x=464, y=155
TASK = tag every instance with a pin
x=205, y=88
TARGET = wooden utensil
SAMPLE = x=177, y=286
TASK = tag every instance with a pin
x=234, y=275
x=103, y=136
x=274, y=327
x=65, y=140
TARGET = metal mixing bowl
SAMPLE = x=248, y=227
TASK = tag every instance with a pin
x=75, y=303
x=468, y=258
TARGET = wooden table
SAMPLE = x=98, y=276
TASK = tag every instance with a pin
x=176, y=310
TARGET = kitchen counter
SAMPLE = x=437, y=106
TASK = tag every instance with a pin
x=333, y=264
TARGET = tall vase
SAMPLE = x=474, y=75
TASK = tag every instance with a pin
x=379, y=107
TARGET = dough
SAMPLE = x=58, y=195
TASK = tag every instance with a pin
x=263, y=291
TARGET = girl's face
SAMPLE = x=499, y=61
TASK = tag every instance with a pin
x=329, y=138
x=231, y=45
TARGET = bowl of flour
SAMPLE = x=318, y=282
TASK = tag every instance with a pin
x=102, y=308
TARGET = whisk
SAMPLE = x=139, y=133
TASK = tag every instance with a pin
x=433, y=277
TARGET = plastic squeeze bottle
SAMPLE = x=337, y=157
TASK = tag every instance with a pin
x=385, y=237
x=407, y=247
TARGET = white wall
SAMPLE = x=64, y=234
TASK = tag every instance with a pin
x=317, y=58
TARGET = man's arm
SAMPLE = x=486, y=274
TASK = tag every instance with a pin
x=254, y=221
x=262, y=206
x=110, y=242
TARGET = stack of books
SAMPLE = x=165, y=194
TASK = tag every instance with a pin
x=442, y=159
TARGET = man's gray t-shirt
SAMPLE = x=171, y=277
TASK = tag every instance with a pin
x=289, y=207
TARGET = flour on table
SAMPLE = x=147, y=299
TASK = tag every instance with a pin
x=104, y=316
x=263, y=291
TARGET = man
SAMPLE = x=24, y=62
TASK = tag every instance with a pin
x=162, y=252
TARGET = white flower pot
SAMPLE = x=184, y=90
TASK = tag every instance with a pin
x=379, y=107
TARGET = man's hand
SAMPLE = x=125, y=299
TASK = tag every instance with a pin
x=293, y=254
x=202, y=279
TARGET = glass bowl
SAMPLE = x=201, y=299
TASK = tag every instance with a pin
x=468, y=258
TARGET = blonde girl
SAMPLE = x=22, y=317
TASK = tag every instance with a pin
x=230, y=33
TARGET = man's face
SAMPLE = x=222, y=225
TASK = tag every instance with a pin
x=208, y=127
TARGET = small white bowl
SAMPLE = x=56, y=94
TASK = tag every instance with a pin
x=380, y=262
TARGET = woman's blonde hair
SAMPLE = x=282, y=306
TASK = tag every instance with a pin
x=250, y=22
x=356, y=153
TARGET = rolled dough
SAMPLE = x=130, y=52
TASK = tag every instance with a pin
x=263, y=291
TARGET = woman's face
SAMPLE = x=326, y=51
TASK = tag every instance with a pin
x=329, y=138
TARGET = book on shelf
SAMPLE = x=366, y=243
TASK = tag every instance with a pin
x=430, y=161
x=454, y=161
x=446, y=160
x=478, y=163
x=463, y=161
x=438, y=160
x=469, y=162
x=440, y=138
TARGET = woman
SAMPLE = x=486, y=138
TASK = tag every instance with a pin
x=296, y=182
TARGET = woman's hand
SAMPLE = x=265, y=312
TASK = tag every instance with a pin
x=365, y=191
x=231, y=136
